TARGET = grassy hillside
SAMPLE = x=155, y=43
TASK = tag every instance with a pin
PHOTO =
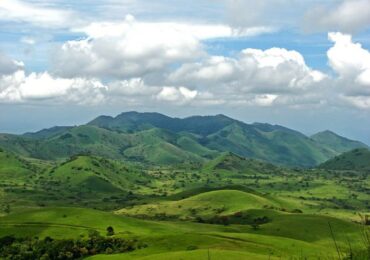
x=13, y=167
x=209, y=204
x=174, y=239
x=355, y=160
x=272, y=145
x=337, y=143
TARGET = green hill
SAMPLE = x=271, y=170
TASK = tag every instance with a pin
x=49, y=132
x=277, y=239
x=355, y=160
x=158, y=139
x=90, y=174
x=273, y=145
x=12, y=167
x=207, y=204
x=337, y=143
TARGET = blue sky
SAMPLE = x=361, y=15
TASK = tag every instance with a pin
x=302, y=64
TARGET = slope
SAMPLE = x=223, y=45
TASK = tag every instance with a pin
x=355, y=160
x=337, y=143
x=208, y=205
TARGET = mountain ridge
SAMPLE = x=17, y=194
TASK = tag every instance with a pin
x=159, y=139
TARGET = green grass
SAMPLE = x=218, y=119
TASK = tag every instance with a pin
x=190, y=255
x=13, y=167
x=209, y=204
x=284, y=236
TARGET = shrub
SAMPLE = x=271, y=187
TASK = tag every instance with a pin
x=190, y=248
x=110, y=231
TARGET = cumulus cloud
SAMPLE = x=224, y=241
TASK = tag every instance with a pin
x=345, y=16
x=270, y=71
x=135, y=87
x=133, y=49
x=19, y=87
x=352, y=64
x=347, y=58
x=39, y=15
x=173, y=94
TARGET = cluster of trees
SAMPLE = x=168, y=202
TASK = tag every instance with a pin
x=48, y=248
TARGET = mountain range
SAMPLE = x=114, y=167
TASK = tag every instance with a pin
x=154, y=138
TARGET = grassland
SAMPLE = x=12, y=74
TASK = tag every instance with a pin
x=284, y=237
x=225, y=208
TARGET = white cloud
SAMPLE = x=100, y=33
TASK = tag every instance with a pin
x=18, y=87
x=352, y=64
x=133, y=49
x=347, y=58
x=265, y=100
x=270, y=71
x=135, y=87
x=198, y=31
x=21, y=11
x=180, y=95
x=346, y=16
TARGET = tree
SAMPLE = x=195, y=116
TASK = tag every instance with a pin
x=110, y=231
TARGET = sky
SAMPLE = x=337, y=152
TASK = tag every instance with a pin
x=301, y=64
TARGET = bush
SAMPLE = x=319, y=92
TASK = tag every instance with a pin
x=110, y=231
x=48, y=248
x=191, y=248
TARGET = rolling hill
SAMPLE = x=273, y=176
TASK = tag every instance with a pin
x=207, y=204
x=185, y=240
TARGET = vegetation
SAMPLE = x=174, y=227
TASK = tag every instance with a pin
x=49, y=248
x=355, y=160
x=160, y=140
x=146, y=186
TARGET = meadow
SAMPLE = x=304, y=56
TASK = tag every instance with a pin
x=230, y=208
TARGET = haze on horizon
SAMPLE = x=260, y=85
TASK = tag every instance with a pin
x=302, y=65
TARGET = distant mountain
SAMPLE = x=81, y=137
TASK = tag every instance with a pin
x=134, y=121
x=158, y=139
x=337, y=143
x=272, y=143
x=47, y=133
x=356, y=160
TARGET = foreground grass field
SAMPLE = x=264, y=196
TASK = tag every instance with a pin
x=287, y=235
